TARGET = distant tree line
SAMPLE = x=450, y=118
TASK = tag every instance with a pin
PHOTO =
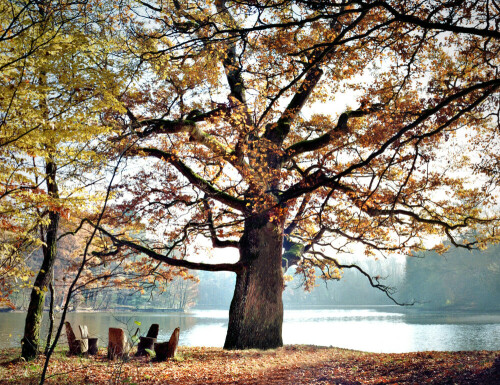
x=180, y=294
x=458, y=279
x=119, y=291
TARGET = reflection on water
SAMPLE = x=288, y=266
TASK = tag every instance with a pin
x=375, y=330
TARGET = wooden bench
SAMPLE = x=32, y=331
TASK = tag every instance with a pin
x=83, y=345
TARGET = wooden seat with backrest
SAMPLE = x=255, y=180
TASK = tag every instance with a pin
x=148, y=342
x=166, y=350
x=90, y=343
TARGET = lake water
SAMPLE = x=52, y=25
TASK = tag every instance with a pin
x=381, y=329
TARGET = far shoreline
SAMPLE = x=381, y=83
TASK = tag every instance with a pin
x=389, y=308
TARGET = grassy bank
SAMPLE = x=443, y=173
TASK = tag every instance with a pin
x=288, y=365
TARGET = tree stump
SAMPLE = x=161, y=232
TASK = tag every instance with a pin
x=166, y=350
x=93, y=345
x=153, y=331
x=145, y=343
x=117, y=343
x=172, y=343
x=75, y=346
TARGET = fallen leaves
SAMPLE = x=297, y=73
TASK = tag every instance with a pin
x=295, y=364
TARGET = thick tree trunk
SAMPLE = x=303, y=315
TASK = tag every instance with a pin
x=31, y=339
x=256, y=312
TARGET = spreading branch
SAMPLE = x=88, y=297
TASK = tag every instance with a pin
x=325, y=139
x=216, y=242
x=440, y=26
x=195, y=179
x=310, y=184
x=277, y=132
x=374, y=281
x=234, y=267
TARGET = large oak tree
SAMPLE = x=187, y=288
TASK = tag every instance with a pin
x=297, y=131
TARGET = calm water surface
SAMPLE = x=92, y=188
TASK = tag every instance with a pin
x=388, y=330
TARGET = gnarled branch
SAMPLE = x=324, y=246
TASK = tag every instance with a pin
x=323, y=140
x=216, y=242
x=374, y=281
x=234, y=267
x=310, y=184
x=195, y=179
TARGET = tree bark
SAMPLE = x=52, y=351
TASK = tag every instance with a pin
x=256, y=312
x=31, y=339
x=51, y=314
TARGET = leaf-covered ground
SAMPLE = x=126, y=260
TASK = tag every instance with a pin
x=287, y=365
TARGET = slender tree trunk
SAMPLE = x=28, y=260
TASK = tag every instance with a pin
x=31, y=339
x=51, y=314
x=256, y=312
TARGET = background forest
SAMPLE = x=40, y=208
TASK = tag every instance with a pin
x=459, y=279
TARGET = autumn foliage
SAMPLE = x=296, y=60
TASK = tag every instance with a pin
x=294, y=132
